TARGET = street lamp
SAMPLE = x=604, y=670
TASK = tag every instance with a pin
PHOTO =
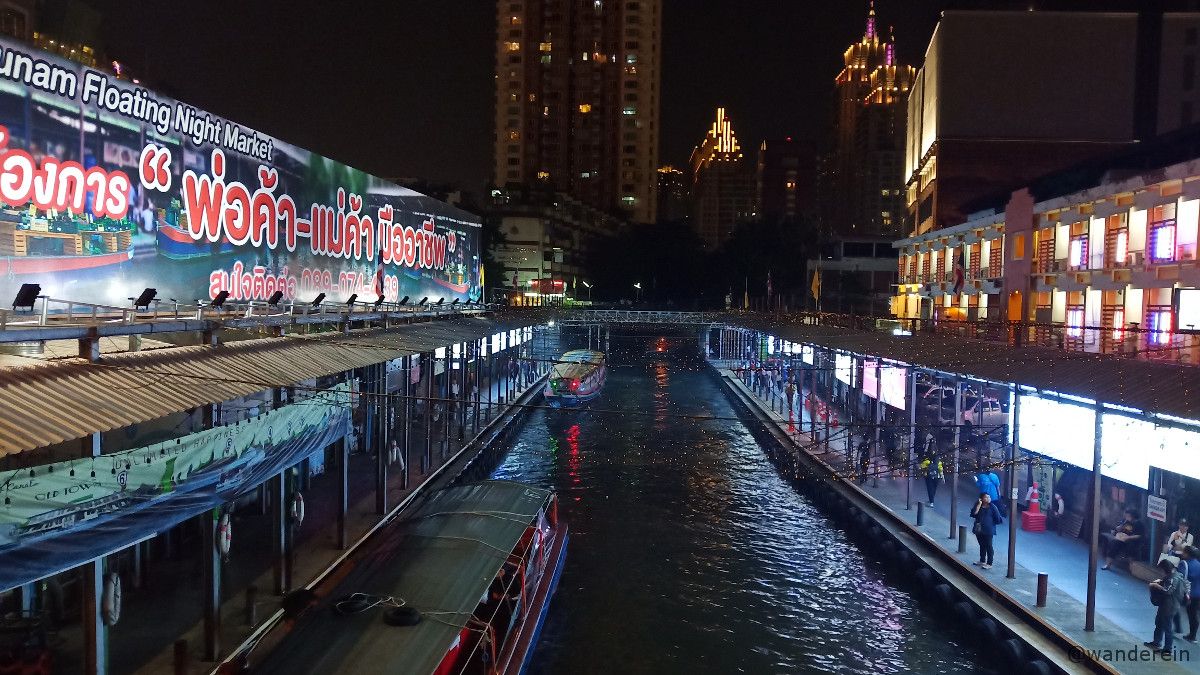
x=589, y=287
x=638, y=286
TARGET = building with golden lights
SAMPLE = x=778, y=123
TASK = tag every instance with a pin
x=722, y=184
x=862, y=187
x=577, y=101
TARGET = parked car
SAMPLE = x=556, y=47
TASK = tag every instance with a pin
x=985, y=412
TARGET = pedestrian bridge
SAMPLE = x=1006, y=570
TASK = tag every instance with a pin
x=611, y=316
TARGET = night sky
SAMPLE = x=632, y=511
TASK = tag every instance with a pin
x=406, y=88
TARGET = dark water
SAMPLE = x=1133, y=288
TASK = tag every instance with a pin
x=688, y=553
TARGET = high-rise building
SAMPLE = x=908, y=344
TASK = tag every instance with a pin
x=863, y=191
x=722, y=184
x=785, y=180
x=577, y=100
x=673, y=202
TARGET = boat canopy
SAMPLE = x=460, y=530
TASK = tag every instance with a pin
x=577, y=364
x=440, y=560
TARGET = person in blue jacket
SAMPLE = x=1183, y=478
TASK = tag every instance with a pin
x=987, y=518
x=989, y=484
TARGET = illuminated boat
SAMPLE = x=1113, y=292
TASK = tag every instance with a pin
x=462, y=585
x=176, y=243
x=33, y=242
x=577, y=378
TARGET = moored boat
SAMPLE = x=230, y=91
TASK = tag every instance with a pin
x=461, y=585
x=577, y=378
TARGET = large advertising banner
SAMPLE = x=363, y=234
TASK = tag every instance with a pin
x=107, y=188
x=104, y=501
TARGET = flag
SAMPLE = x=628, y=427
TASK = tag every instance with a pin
x=816, y=285
x=379, y=275
x=960, y=274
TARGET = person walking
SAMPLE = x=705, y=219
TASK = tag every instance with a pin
x=987, y=518
x=1167, y=594
x=989, y=484
x=864, y=461
x=931, y=467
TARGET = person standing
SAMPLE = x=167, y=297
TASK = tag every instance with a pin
x=1167, y=594
x=1191, y=558
x=987, y=519
x=864, y=461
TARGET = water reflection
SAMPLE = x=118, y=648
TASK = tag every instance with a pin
x=690, y=554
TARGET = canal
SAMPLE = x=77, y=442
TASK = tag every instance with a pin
x=689, y=553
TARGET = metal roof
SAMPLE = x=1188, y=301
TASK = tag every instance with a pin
x=1149, y=386
x=44, y=403
x=440, y=560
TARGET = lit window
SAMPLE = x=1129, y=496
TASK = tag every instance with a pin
x=628, y=200
x=585, y=56
x=629, y=110
x=1121, y=248
x=631, y=58
x=791, y=185
x=515, y=20
x=514, y=135
x=1160, y=326
x=1118, y=321
x=1162, y=241
x=543, y=175
x=1078, y=252
x=585, y=174
x=1075, y=322
x=585, y=108
x=513, y=46
x=544, y=46
x=545, y=58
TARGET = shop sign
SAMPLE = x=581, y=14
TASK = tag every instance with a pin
x=1156, y=508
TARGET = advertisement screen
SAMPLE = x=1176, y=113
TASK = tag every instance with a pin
x=1189, y=309
x=843, y=368
x=891, y=384
x=110, y=188
x=1063, y=431
x=806, y=354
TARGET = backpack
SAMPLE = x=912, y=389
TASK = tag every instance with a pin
x=932, y=470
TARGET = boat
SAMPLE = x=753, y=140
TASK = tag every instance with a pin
x=45, y=242
x=577, y=378
x=461, y=585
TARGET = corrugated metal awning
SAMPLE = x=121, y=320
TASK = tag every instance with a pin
x=52, y=402
x=1149, y=386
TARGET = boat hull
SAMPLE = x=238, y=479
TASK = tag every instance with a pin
x=531, y=628
x=568, y=400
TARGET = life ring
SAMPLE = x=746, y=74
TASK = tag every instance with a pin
x=224, y=536
x=297, y=509
x=110, y=599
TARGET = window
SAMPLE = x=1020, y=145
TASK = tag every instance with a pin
x=629, y=110
x=1118, y=322
x=1162, y=241
x=514, y=161
x=545, y=46
x=1078, y=252
x=1075, y=321
x=513, y=46
x=631, y=59
x=628, y=200
x=543, y=175
x=1159, y=322
x=1018, y=248
x=585, y=108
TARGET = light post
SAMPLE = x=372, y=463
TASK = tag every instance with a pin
x=589, y=287
x=638, y=286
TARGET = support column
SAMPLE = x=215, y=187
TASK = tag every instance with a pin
x=380, y=430
x=277, y=488
x=343, y=503
x=460, y=401
x=211, y=573
x=912, y=440
x=1014, y=455
x=427, y=373
x=477, y=368
x=958, y=394
x=1089, y=617
x=405, y=417
x=95, y=633
x=878, y=424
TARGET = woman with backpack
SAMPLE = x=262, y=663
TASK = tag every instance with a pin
x=931, y=467
x=987, y=518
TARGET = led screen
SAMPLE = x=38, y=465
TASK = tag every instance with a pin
x=843, y=368
x=1063, y=431
x=892, y=384
x=1189, y=309
x=806, y=354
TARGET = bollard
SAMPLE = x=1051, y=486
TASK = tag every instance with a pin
x=1043, y=588
x=252, y=606
x=920, y=514
x=962, y=538
x=181, y=657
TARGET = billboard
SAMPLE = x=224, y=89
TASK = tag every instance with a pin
x=892, y=384
x=107, y=188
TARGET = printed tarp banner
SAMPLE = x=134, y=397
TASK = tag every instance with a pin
x=107, y=188
x=67, y=513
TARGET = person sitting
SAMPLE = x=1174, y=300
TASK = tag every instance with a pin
x=1126, y=538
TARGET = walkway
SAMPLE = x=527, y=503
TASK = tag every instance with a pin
x=1124, y=615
